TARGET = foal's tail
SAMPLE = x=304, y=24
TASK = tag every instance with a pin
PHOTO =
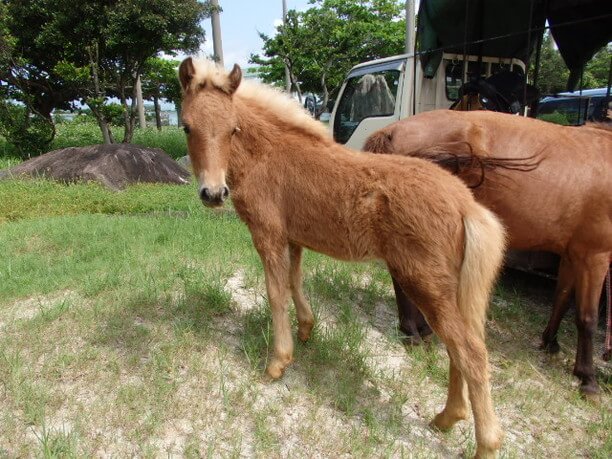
x=485, y=242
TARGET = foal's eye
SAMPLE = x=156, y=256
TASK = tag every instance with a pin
x=186, y=129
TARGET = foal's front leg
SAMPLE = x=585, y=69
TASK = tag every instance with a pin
x=276, y=263
x=303, y=309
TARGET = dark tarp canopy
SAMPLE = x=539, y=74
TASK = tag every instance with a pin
x=579, y=27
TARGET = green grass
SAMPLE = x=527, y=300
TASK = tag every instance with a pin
x=42, y=198
x=171, y=139
x=119, y=337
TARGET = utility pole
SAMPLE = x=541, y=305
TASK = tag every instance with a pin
x=141, y=111
x=410, y=25
x=216, y=32
x=287, y=76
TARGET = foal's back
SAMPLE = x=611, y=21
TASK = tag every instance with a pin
x=352, y=205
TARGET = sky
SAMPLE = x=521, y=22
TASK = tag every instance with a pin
x=241, y=20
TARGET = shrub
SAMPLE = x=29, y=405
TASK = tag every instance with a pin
x=27, y=134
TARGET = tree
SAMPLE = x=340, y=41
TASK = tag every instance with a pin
x=321, y=44
x=553, y=73
x=94, y=50
x=158, y=82
x=598, y=68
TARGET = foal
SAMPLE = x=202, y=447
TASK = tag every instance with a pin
x=294, y=187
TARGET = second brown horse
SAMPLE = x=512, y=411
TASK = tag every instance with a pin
x=552, y=187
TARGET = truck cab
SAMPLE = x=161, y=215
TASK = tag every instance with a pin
x=380, y=92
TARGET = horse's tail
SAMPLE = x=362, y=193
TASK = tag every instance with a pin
x=379, y=142
x=485, y=242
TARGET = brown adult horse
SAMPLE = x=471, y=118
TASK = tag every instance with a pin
x=561, y=202
x=295, y=187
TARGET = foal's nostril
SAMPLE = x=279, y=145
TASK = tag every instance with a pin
x=205, y=194
x=224, y=193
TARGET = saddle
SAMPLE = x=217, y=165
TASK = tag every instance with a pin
x=501, y=92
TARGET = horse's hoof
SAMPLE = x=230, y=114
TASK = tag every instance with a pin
x=409, y=339
x=422, y=332
x=552, y=347
x=590, y=393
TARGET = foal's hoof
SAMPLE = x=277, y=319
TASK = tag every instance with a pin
x=276, y=368
x=483, y=453
x=489, y=446
x=304, y=331
x=445, y=422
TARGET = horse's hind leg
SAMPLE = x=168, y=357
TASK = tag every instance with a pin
x=411, y=321
x=565, y=286
x=590, y=274
x=302, y=307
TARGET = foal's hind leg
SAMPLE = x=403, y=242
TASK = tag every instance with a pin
x=469, y=356
x=565, y=286
x=304, y=312
x=456, y=408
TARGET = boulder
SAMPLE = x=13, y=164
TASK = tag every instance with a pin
x=114, y=166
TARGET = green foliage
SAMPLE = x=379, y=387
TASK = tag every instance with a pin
x=322, y=43
x=60, y=51
x=597, y=70
x=27, y=134
x=113, y=113
x=557, y=118
x=159, y=80
x=553, y=74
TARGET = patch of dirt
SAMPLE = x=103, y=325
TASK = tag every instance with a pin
x=28, y=308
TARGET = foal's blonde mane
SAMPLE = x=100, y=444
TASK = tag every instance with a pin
x=286, y=108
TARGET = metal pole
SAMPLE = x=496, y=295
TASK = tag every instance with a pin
x=410, y=24
x=216, y=32
x=287, y=75
x=141, y=111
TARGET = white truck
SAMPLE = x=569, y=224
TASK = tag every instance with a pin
x=377, y=93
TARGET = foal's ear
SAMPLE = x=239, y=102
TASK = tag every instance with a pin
x=235, y=77
x=186, y=72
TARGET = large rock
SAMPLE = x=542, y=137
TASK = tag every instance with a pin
x=115, y=166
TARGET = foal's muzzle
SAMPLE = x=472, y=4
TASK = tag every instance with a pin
x=214, y=196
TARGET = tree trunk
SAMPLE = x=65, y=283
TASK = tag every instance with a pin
x=142, y=121
x=158, y=121
x=107, y=135
x=129, y=118
x=179, y=121
x=319, y=112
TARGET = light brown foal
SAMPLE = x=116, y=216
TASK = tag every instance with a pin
x=295, y=187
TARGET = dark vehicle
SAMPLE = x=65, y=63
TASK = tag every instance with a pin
x=576, y=108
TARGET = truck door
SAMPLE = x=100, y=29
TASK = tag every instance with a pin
x=367, y=102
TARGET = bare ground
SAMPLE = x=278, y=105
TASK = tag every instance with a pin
x=199, y=395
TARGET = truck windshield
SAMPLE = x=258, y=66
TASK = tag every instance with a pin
x=365, y=96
